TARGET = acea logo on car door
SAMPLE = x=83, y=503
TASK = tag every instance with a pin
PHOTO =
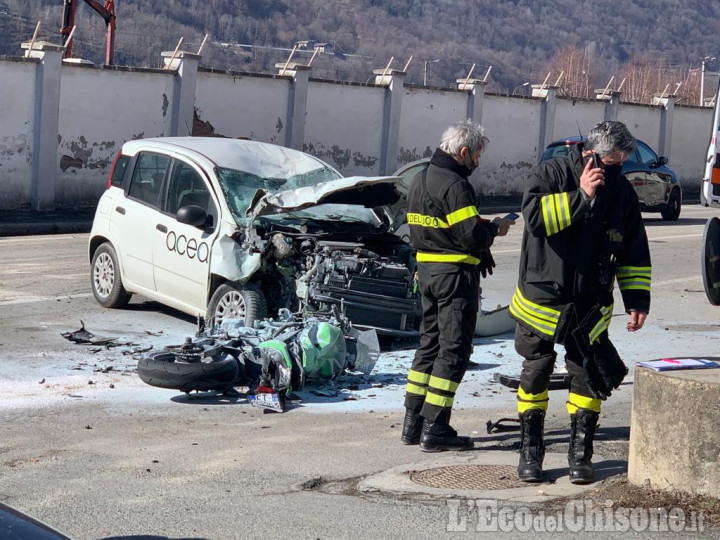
x=189, y=247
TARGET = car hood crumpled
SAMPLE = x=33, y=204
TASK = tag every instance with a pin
x=376, y=192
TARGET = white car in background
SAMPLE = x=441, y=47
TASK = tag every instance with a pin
x=225, y=228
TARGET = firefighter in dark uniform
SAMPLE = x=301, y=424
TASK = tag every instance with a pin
x=452, y=244
x=583, y=231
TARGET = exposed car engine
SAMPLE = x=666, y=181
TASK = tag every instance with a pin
x=371, y=282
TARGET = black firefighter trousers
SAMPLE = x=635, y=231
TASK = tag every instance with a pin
x=449, y=297
x=538, y=364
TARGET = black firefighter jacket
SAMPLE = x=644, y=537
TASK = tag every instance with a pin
x=573, y=251
x=445, y=226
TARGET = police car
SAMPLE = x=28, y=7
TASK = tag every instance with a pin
x=225, y=228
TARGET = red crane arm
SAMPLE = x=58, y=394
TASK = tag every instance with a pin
x=106, y=11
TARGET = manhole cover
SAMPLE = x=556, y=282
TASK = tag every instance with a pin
x=471, y=477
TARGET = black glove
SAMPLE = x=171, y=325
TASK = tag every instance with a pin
x=595, y=381
x=609, y=364
x=487, y=263
x=604, y=369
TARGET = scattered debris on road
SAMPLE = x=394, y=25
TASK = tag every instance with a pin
x=267, y=362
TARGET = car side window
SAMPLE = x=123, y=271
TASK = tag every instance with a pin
x=186, y=187
x=647, y=156
x=148, y=177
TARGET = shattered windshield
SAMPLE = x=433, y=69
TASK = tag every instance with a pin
x=271, y=176
x=345, y=213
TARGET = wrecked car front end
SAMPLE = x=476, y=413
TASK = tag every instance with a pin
x=329, y=245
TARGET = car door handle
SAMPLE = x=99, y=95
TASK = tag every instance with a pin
x=120, y=210
x=161, y=228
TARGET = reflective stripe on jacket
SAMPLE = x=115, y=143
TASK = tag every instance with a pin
x=445, y=226
x=573, y=251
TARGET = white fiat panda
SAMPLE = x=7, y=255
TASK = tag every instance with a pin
x=223, y=228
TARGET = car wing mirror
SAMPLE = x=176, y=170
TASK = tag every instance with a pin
x=662, y=160
x=192, y=215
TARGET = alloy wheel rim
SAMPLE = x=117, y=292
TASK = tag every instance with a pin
x=231, y=306
x=104, y=275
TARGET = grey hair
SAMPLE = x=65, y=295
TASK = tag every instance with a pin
x=463, y=133
x=606, y=137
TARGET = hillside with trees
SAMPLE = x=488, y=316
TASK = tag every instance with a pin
x=657, y=43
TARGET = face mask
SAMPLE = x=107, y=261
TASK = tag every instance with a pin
x=472, y=165
x=612, y=171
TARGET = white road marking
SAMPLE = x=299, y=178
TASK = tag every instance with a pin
x=36, y=299
x=24, y=239
x=676, y=280
x=673, y=237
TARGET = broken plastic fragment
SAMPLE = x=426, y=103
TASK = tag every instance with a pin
x=84, y=337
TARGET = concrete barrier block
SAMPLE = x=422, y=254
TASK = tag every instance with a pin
x=675, y=431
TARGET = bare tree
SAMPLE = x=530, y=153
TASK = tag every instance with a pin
x=575, y=66
x=646, y=76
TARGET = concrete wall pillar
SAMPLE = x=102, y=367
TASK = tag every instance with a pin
x=476, y=97
x=547, y=116
x=185, y=64
x=297, y=106
x=667, y=111
x=393, y=81
x=45, y=123
x=612, y=103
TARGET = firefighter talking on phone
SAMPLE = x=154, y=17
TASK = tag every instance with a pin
x=583, y=231
x=453, y=249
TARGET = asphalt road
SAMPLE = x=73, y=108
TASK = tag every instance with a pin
x=101, y=455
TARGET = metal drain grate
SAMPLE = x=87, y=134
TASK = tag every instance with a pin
x=470, y=477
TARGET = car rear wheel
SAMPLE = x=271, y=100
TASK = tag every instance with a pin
x=107, y=285
x=236, y=301
x=672, y=211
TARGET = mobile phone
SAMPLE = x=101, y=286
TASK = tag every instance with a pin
x=595, y=160
x=512, y=216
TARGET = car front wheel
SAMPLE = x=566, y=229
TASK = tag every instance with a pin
x=672, y=211
x=107, y=285
x=237, y=301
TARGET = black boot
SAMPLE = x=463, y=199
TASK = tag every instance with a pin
x=532, y=447
x=582, y=431
x=412, y=427
x=438, y=436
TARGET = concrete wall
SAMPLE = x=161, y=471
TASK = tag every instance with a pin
x=643, y=121
x=512, y=125
x=237, y=105
x=571, y=112
x=690, y=138
x=101, y=109
x=344, y=124
x=17, y=111
x=425, y=114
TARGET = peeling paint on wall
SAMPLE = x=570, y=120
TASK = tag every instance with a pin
x=340, y=157
x=69, y=162
x=518, y=165
x=362, y=161
x=165, y=105
x=202, y=128
x=279, y=125
x=97, y=155
x=407, y=155
x=10, y=147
